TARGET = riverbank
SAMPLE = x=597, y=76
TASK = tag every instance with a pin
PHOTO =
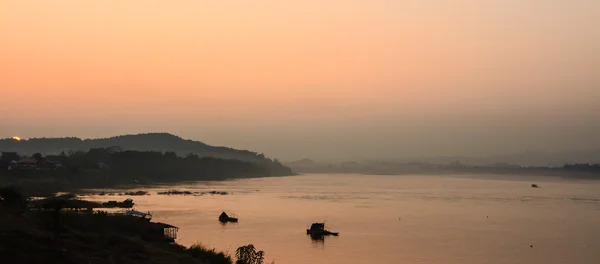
x=591, y=172
x=55, y=235
x=48, y=183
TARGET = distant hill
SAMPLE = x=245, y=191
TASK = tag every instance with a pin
x=420, y=164
x=526, y=158
x=571, y=170
x=163, y=142
x=302, y=163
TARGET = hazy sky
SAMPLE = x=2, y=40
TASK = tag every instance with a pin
x=311, y=78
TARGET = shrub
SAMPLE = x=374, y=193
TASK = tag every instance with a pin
x=249, y=255
x=11, y=198
x=209, y=255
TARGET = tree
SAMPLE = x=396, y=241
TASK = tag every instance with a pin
x=38, y=157
x=10, y=156
x=170, y=155
x=249, y=255
x=192, y=156
x=114, y=149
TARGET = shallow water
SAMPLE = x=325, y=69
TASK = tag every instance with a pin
x=392, y=219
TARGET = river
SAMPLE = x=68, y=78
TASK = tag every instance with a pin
x=391, y=219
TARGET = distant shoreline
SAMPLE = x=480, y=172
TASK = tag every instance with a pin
x=40, y=175
x=549, y=172
x=41, y=186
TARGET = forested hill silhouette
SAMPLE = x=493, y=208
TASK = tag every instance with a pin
x=163, y=142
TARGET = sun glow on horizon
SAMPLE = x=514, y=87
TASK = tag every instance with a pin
x=16, y=138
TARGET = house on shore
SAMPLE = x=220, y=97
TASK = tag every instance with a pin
x=162, y=231
x=11, y=160
x=27, y=161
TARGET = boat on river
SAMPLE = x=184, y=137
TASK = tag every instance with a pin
x=318, y=229
x=224, y=218
x=142, y=215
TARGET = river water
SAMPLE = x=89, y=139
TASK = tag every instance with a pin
x=392, y=219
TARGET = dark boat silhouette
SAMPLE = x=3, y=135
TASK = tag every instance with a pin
x=224, y=218
x=318, y=229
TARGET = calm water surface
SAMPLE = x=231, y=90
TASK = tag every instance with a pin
x=392, y=219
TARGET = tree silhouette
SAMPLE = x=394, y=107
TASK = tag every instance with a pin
x=192, y=156
x=249, y=255
x=38, y=157
x=10, y=156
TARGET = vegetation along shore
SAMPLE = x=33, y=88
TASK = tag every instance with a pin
x=66, y=230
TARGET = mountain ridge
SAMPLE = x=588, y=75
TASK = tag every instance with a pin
x=164, y=142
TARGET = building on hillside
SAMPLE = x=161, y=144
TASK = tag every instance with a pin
x=27, y=161
x=162, y=231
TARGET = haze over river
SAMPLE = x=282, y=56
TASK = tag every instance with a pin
x=391, y=219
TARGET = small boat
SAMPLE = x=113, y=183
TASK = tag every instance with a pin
x=224, y=218
x=128, y=203
x=318, y=229
x=142, y=215
x=535, y=186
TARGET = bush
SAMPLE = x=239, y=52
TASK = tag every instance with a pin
x=11, y=198
x=209, y=255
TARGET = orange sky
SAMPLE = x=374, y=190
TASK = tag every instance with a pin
x=285, y=69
